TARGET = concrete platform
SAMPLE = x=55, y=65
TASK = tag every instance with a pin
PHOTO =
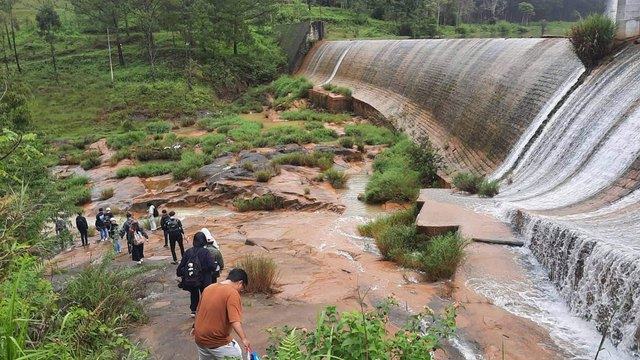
x=442, y=211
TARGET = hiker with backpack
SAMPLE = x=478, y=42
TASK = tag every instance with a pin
x=83, y=228
x=101, y=225
x=163, y=226
x=195, y=269
x=126, y=224
x=176, y=234
x=153, y=214
x=214, y=249
x=136, y=237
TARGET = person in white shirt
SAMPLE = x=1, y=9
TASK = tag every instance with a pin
x=152, y=216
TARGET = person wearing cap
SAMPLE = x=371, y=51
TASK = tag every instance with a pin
x=101, y=225
x=214, y=249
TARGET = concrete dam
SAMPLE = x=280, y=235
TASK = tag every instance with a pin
x=565, y=145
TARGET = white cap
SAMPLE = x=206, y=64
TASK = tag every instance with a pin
x=209, y=237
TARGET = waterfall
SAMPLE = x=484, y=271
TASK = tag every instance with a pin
x=474, y=98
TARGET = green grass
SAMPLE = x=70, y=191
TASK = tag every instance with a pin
x=188, y=166
x=91, y=160
x=265, y=202
x=322, y=160
x=313, y=115
x=371, y=134
x=442, y=256
x=489, y=188
x=375, y=228
x=262, y=272
x=145, y=170
x=128, y=139
x=337, y=89
x=158, y=127
x=337, y=179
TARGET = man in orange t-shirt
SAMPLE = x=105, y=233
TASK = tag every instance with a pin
x=219, y=311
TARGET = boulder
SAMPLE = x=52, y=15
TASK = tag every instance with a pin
x=259, y=161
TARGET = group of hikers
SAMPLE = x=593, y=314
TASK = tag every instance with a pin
x=216, y=307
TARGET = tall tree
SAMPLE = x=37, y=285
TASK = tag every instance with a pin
x=7, y=8
x=48, y=23
x=148, y=18
x=527, y=11
x=107, y=14
x=235, y=17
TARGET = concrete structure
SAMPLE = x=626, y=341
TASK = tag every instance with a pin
x=626, y=13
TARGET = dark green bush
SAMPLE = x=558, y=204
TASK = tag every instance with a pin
x=346, y=142
x=337, y=90
x=188, y=166
x=337, y=179
x=375, y=228
x=313, y=115
x=91, y=160
x=489, y=188
x=149, y=169
x=120, y=141
x=393, y=185
x=323, y=160
x=592, y=38
x=158, y=127
x=148, y=153
x=265, y=202
x=371, y=134
x=263, y=176
x=467, y=182
x=442, y=256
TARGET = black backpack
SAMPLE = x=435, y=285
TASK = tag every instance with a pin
x=155, y=212
x=173, y=226
x=192, y=272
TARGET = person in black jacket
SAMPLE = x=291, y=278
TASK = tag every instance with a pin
x=83, y=228
x=206, y=263
x=163, y=225
x=176, y=233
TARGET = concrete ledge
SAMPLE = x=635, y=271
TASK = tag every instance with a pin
x=334, y=103
x=441, y=211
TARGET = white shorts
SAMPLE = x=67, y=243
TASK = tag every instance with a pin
x=231, y=350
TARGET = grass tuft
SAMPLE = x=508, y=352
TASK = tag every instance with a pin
x=265, y=202
x=262, y=273
x=337, y=179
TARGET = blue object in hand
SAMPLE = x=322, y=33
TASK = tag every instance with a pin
x=255, y=356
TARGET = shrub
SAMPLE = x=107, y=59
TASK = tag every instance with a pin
x=263, y=176
x=592, y=38
x=346, y=142
x=158, y=127
x=120, y=141
x=489, y=188
x=106, y=193
x=337, y=90
x=188, y=166
x=392, y=185
x=467, y=182
x=287, y=134
x=187, y=122
x=92, y=159
x=262, y=272
x=312, y=115
x=146, y=170
x=442, y=256
x=371, y=134
x=462, y=30
x=375, y=228
x=248, y=165
x=264, y=202
x=119, y=156
x=337, y=179
x=149, y=153
x=210, y=143
x=288, y=88
x=364, y=335
x=323, y=160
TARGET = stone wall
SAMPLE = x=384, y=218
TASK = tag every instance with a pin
x=626, y=14
x=474, y=98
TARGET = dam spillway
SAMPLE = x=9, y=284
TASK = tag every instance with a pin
x=566, y=147
x=475, y=98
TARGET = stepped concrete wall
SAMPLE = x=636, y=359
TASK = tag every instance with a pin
x=626, y=14
x=475, y=99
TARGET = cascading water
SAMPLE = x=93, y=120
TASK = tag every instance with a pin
x=473, y=97
x=580, y=178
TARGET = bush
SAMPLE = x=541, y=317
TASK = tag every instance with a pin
x=371, y=134
x=287, y=134
x=106, y=193
x=187, y=122
x=364, y=335
x=337, y=179
x=119, y=156
x=312, y=115
x=159, y=127
x=262, y=272
x=442, y=256
x=337, y=90
x=149, y=153
x=462, y=30
x=92, y=159
x=346, y=142
x=146, y=170
x=323, y=160
x=288, y=88
x=120, y=141
x=211, y=142
x=489, y=188
x=592, y=38
x=264, y=202
x=263, y=176
x=392, y=185
x=392, y=242
x=468, y=182
x=188, y=166
x=375, y=228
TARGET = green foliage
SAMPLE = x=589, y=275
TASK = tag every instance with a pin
x=363, y=335
x=263, y=176
x=265, y=202
x=337, y=89
x=320, y=159
x=346, y=142
x=313, y=115
x=592, y=38
x=128, y=139
x=287, y=88
x=188, y=166
x=392, y=185
x=375, y=228
x=211, y=142
x=287, y=134
x=475, y=184
x=371, y=134
x=442, y=256
x=150, y=152
x=91, y=160
x=337, y=179
x=145, y=170
x=158, y=127
x=106, y=193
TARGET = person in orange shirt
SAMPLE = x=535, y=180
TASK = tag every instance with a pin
x=220, y=311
